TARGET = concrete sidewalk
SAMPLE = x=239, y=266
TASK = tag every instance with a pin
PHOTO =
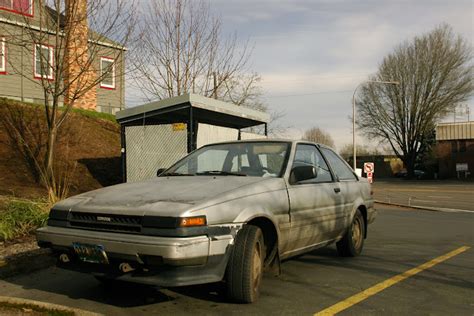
x=428, y=194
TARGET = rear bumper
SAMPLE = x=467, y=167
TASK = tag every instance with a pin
x=164, y=261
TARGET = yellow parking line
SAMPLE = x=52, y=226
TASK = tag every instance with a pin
x=359, y=297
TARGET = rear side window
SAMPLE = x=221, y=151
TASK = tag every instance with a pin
x=339, y=166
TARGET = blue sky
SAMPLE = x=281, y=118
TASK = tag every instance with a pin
x=311, y=54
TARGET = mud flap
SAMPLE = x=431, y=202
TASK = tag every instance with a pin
x=274, y=267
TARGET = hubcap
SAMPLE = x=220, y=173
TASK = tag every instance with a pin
x=357, y=232
x=256, y=267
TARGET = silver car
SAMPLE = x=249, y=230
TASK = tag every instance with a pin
x=227, y=211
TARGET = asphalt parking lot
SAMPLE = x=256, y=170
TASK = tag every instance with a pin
x=444, y=195
x=400, y=239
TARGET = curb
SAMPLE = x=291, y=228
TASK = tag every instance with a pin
x=26, y=262
x=44, y=306
x=426, y=208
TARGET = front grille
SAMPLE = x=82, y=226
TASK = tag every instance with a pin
x=110, y=227
x=121, y=223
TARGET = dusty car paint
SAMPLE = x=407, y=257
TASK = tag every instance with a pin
x=304, y=216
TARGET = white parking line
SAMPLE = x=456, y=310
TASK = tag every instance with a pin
x=442, y=209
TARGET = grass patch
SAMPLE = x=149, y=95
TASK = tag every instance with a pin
x=21, y=217
x=94, y=114
x=31, y=307
x=86, y=113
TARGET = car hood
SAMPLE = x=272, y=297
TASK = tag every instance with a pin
x=166, y=196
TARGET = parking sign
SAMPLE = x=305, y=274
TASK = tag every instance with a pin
x=368, y=167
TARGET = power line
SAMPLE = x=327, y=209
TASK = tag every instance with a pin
x=307, y=77
x=304, y=94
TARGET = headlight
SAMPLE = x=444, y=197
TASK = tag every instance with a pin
x=58, y=214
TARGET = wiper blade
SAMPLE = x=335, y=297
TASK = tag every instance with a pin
x=176, y=174
x=221, y=173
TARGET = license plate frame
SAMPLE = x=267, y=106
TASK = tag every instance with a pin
x=90, y=253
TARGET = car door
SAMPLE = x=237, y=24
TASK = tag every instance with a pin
x=313, y=202
x=348, y=183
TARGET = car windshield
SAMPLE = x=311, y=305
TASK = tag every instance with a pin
x=254, y=159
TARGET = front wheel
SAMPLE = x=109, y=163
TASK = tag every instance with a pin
x=353, y=241
x=245, y=267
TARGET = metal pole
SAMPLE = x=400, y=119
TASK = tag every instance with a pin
x=191, y=146
x=354, y=151
x=123, y=151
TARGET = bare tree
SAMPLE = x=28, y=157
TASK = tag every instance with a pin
x=434, y=72
x=66, y=55
x=184, y=51
x=317, y=135
x=362, y=150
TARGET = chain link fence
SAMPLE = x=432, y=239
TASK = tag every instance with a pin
x=151, y=147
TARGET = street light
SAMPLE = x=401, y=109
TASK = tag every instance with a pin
x=354, y=112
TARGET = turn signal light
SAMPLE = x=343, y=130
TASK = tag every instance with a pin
x=192, y=221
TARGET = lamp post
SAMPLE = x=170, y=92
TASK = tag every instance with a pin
x=354, y=154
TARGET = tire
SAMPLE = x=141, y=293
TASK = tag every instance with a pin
x=353, y=241
x=245, y=266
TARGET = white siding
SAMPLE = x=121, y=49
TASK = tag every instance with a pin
x=208, y=134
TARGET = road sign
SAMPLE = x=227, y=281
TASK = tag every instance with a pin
x=370, y=177
x=462, y=167
x=368, y=167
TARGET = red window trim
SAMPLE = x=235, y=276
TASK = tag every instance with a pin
x=108, y=87
x=22, y=13
x=39, y=77
x=4, y=49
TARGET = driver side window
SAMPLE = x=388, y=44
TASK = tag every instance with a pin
x=310, y=155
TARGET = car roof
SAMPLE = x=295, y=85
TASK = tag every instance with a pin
x=270, y=140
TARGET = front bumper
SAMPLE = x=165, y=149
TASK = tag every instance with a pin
x=164, y=261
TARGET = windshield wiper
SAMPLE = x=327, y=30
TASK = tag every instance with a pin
x=173, y=174
x=220, y=173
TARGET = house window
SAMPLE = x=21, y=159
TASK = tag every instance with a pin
x=44, y=58
x=24, y=7
x=3, y=54
x=107, y=73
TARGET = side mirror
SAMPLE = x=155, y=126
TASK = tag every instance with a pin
x=160, y=171
x=301, y=173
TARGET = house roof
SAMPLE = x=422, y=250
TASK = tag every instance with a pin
x=93, y=35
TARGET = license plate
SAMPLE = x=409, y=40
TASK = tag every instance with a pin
x=90, y=253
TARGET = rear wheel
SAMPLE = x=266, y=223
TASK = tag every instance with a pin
x=245, y=267
x=353, y=241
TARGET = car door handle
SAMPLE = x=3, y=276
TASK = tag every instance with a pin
x=337, y=190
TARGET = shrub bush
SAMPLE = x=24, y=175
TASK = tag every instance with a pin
x=22, y=217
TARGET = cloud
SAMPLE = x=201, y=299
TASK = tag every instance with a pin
x=306, y=49
x=311, y=54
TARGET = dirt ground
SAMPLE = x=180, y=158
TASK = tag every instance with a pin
x=90, y=145
x=18, y=245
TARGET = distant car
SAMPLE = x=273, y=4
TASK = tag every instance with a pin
x=418, y=174
x=227, y=211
